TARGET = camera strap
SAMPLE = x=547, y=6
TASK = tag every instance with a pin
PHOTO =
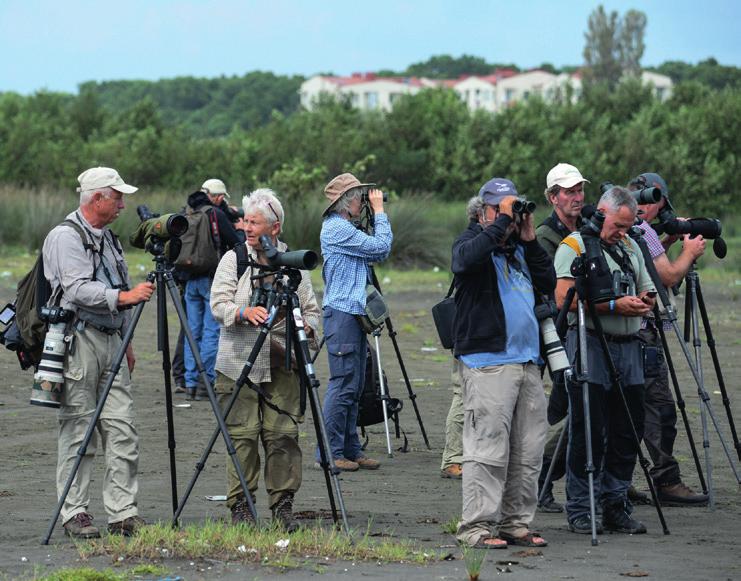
x=620, y=257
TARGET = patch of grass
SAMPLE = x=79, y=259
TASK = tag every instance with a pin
x=84, y=574
x=450, y=526
x=149, y=569
x=409, y=329
x=217, y=540
x=473, y=559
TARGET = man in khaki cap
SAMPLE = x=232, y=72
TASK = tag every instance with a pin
x=347, y=252
x=93, y=282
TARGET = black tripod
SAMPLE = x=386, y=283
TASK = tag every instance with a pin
x=283, y=293
x=162, y=276
x=580, y=272
x=693, y=303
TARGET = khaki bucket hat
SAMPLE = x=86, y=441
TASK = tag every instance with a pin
x=338, y=186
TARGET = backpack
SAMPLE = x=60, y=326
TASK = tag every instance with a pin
x=370, y=405
x=199, y=253
x=27, y=332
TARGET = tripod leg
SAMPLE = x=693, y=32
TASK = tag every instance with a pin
x=559, y=446
x=384, y=395
x=214, y=406
x=163, y=345
x=710, y=340
x=681, y=404
x=115, y=367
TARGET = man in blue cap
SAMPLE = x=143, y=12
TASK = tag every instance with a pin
x=660, y=429
x=498, y=264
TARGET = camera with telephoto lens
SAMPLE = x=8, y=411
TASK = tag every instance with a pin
x=301, y=259
x=642, y=196
x=554, y=351
x=54, y=315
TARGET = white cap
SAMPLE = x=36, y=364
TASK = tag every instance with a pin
x=214, y=187
x=564, y=175
x=103, y=177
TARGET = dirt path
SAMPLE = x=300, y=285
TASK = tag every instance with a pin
x=405, y=499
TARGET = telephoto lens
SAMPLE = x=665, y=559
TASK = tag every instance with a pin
x=554, y=351
x=48, y=382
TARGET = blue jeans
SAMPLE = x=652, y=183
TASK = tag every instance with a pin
x=347, y=352
x=204, y=327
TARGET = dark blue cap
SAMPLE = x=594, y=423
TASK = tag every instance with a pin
x=651, y=180
x=496, y=189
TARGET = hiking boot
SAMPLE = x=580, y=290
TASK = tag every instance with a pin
x=367, y=463
x=241, y=513
x=346, y=465
x=615, y=518
x=81, y=526
x=680, y=494
x=637, y=497
x=549, y=504
x=454, y=471
x=283, y=513
x=127, y=527
x=582, y=525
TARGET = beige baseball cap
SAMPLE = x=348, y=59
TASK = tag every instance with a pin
x=564, y=175
x=103, y=177
x=215, y=187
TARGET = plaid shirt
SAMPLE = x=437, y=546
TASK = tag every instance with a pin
x=347, y=252
x=656, y=249
x=228, y=295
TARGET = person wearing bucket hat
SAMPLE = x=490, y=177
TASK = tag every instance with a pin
x=498, y=265
x=347, y=252
x=660, y=410
x=92, y=281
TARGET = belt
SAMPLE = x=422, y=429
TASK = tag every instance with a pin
x=80, y=325
x=610, y=338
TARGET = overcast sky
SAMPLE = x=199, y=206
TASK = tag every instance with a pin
x=57, y=44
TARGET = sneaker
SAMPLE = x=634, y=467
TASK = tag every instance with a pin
x=582, y=525
x=680, y=495
x=241, y=513
x=180, y=389
x=615, y=518
x=346, y=465
x=127, y=527
x=283, y=513
x=366, y=463
x=549, y=504
x=81, y=526
x=454, y=471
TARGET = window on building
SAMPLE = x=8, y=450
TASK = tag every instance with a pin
x=509, y=95
x=371, y=100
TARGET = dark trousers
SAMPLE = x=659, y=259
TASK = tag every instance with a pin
x=614, y=447
x=661, y=415
x=558, y=408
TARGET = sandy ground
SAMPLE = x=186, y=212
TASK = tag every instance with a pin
x=406, y=498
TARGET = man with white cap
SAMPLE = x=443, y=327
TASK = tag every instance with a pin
x=225, y=235
x=92, y=281
x=565, y=192
x=347, y=252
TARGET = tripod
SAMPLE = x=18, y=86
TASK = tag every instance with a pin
x=283, y=294
x=163, y=277
x=694, y=302
x=580, y=272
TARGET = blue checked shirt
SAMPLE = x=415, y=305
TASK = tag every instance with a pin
x=347, y=252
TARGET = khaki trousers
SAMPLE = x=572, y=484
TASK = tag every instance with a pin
x=453, y=452
x=86, y=370
x=504, y=433
x=251, y=420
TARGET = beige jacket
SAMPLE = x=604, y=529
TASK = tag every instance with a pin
x=236, y=339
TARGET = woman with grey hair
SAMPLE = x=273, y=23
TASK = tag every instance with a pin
x=251, y=420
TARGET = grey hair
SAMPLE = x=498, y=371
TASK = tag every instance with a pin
x=618, y=197
x=265, y=201
x=342, y=206
x=474, y=207
x=86, y=196
x=554, y=190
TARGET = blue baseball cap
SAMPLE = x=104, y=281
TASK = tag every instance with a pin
x=496, y=189
x=651, y=180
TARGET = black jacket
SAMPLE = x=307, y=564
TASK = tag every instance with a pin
x=228, y=234
x=479, y=325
